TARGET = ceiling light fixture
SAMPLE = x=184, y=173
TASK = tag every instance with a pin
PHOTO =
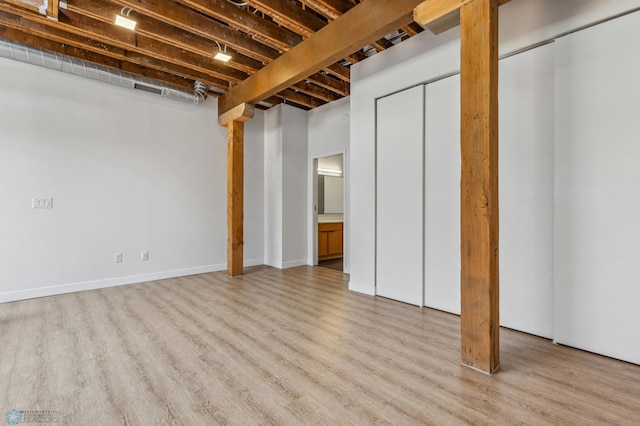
x=123, y=20
x=329, y=171
x=222, y=55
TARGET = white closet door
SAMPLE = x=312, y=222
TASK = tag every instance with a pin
x=597, y=201
x=526, y=191
x=399, y=196
x=442, y=195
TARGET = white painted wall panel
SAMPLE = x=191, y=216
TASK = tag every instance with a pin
x=399, y=196
x=597, y=231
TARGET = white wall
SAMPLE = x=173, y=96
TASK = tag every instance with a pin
x=128, y=171
x=597, y=226
x=273, y=195
x=285, y=193
x=328, y=134
x=294, y=213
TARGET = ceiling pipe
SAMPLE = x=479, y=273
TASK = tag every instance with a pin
x=67, y=64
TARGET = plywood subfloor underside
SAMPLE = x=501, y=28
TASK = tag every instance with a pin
x=285, y=347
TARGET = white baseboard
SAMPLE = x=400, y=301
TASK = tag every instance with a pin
x=364, y=288
x=294, y=263
x=32, y=293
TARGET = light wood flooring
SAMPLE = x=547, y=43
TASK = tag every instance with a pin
x=286, y=347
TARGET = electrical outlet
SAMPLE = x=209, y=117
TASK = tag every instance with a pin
x=42, y=203
x=117, y=257
x=144, y=255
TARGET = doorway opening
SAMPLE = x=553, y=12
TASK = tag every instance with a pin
x=330, y=196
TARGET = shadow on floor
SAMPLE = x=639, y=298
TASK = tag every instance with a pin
x=332, y=264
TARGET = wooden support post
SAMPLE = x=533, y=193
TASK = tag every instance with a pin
x=235, y=194
x=53, y=8
x=480, y=325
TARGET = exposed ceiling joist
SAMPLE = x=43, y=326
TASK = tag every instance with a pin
x=176, y=40
x=364, y=22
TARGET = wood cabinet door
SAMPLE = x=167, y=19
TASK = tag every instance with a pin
x=323, y=243
x=334, y=242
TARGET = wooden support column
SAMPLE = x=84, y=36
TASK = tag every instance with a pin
x=235, y=194
x=53, y=9
x=480, y=324
x=234, y=121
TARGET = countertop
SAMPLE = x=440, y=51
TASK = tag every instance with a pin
x=331, y=218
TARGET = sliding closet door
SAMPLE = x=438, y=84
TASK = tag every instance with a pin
x=526, y=191
x=442, y=195
x=597, y=201
x=399, y=196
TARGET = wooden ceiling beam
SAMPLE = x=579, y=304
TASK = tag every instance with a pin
x=73, y=21
x=412, y=29
x=19, y=36
x=340, y=87
x=22, y=30
x=299, y=21
x=41, y=29
x=238, y=17
x=315, y=91
x=343, y=73
x=290, y=16
x=32, y=5
x=332, y=9
x=382, y=44
x=195, y=23
x=161, y=20
x=430, y=11
x=449, y=20
x=364, y=22
x=152, y=28
x=247, y=21
x=291, y=96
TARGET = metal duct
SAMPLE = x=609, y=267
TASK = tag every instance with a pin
x=44, y=58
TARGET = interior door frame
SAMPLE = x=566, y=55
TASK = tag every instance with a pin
x=312, y=236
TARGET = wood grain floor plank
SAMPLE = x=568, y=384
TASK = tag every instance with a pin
x=285, y=347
